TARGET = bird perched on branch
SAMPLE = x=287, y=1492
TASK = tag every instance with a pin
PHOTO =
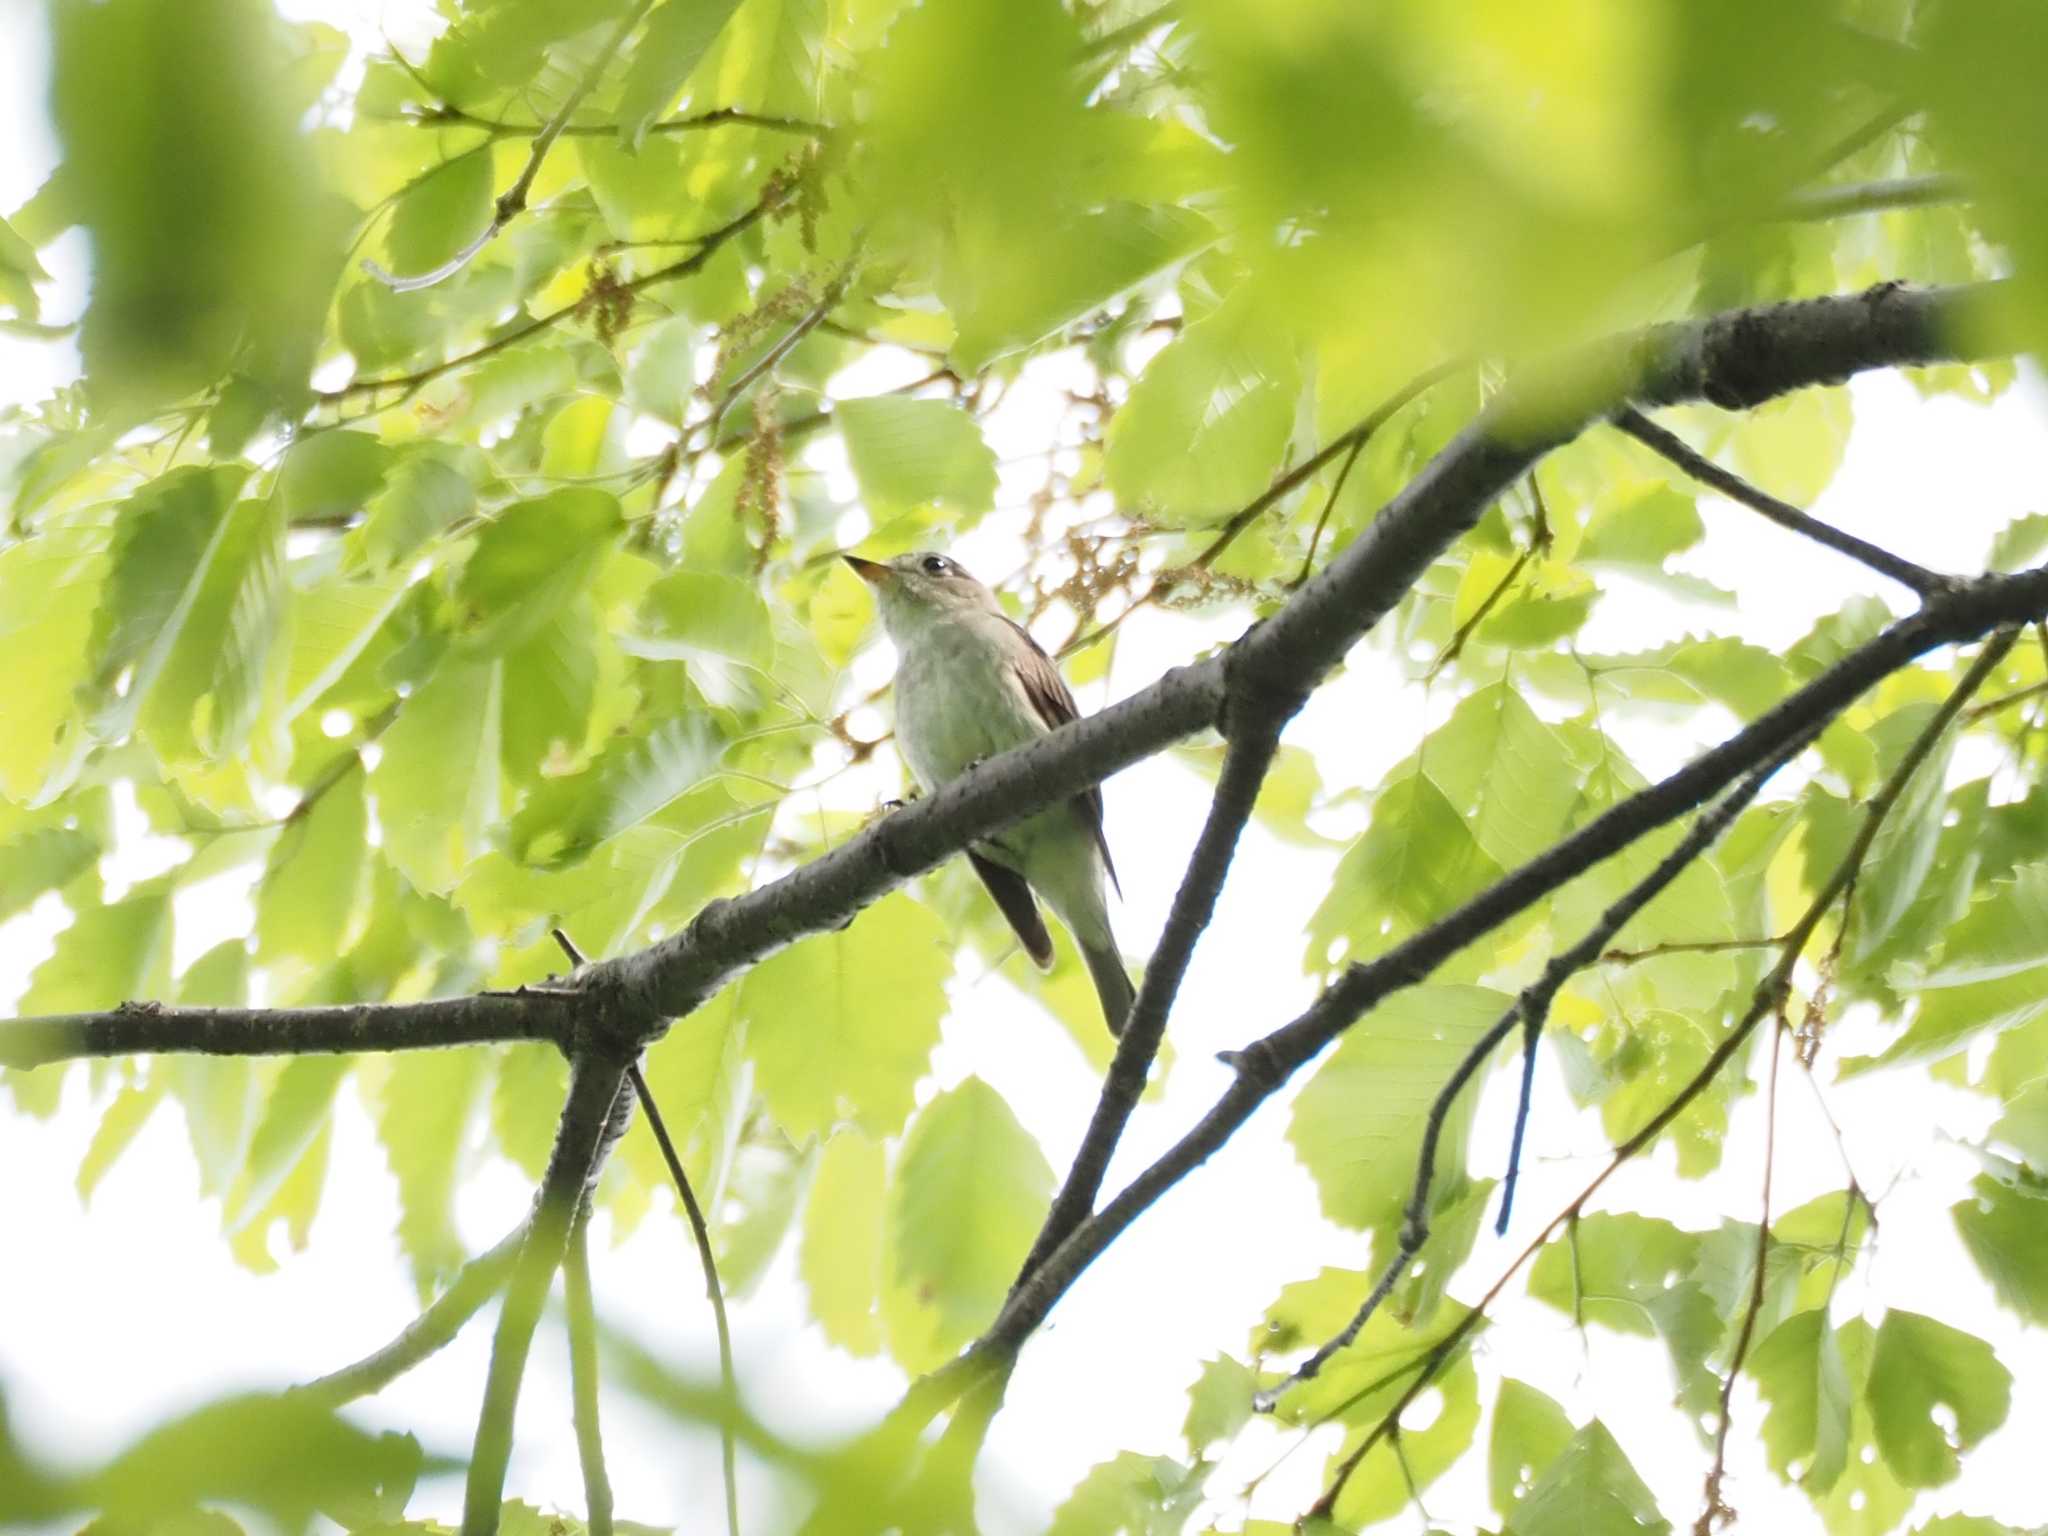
x=970, y=683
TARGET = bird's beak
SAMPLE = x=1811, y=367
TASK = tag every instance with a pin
x=873, y=572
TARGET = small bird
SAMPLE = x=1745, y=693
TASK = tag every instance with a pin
x=971, y=683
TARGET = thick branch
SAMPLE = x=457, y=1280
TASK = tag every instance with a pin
x=1237, y=791
x=595, y=1087
x=1670, y=446
x=1963, y=614
x=132, y=1028
x=1530, y=1010
x=1764, y=1001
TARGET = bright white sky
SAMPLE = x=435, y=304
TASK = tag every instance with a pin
x=123, y=1313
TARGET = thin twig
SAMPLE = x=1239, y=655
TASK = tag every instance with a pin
x=433, y=1330
x=1670, y=446
x=1817, y=204
x=1315, y=539
x=450, y=116
x=708, y=246
x=728, y=1381
x=1530, y=1010
x=810, y=320
x=1686, y=947
x=2007, y=700
x=597, y=1483
x=513, y=202
x=1718, y=1511
x=1768, y=996
x=594, y=1089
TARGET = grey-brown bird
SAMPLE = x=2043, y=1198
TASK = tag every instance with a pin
x=971, y=683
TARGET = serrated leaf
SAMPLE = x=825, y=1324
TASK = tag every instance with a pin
x=689, y=615
x=663, y=376
x=440, y=214
x=421, y=495
x=1219, y=1403
x=437, y=778
x=911, y=453
x=1357, y=1126
x=120, y=1123
x=968, y=1194
x=327, y=477
x=533, y=558
x=1589, y=1490
x=841, y=1259
x=633, y=779
x=844, y=1023
x=1505, y=772
x=165, y=541
x=1801, y=1374
x=1206, y=423
x=423, y=1110
x=1416, y=862
x=1530, y=1431
x=2004, y=1225
x=1934, y=1391
x=1133, y=1494
x=289, y=1142
x=678, y=36
x=50, y=589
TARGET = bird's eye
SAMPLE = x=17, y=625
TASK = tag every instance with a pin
x=936, y=565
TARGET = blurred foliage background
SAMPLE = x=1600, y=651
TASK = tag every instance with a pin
x=439, y=538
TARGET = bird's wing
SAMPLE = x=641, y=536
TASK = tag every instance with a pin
x=1050, y=696
x=1013, y=898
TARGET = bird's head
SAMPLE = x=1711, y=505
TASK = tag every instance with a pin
x=920, y=589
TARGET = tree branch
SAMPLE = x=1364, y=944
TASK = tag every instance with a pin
x=448, y=115
x=1530, y=1010
x=1245, y=763
x=531, y=1013
x=597, y=1483
x=1766, y=999
x=513, y=202
x=771, y=198
x=727, y=1380
x=1967, y=613
x=595, y=1088
x=433, y=1330
x=1818, y=204
x=1669, y=445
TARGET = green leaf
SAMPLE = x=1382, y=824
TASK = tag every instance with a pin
x=215, y=240
x=1416, y=862
x=1358, y=1124
x=165, y=543
x=526, y=1102
x=841, y=1259
x=1530, y=1431
x=329, y=476
x=423, y=1110
x=421, y=495
x=1385, y=1482
x=1992, y=973
x=844, y=1023
x=531, y=560
x=913, y=453
x=662, y=380
x=1902, y=853
x=1505, y=772
x=688, y=615
x=42, y=859
x=437, y=779
x=1645, y=530
x=219, y=670
x=1934, y=1391
x=968, y=1195
x=443, y=212
x=1131, y=1495
x=119, y=1125
x=50, y=589
x=109, y=955
x=280, y=1180
x=313, y=879
x=1219, y=1403
x=1206, y=423
x=1800, y=1372
x=678, y=36
x=634, y=778
x=1589, y=1490
x=2004, y=1225
x=19, y=273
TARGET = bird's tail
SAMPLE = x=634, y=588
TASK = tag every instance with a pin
x=1112, y=984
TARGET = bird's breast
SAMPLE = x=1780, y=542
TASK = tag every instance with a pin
x=956, y=704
